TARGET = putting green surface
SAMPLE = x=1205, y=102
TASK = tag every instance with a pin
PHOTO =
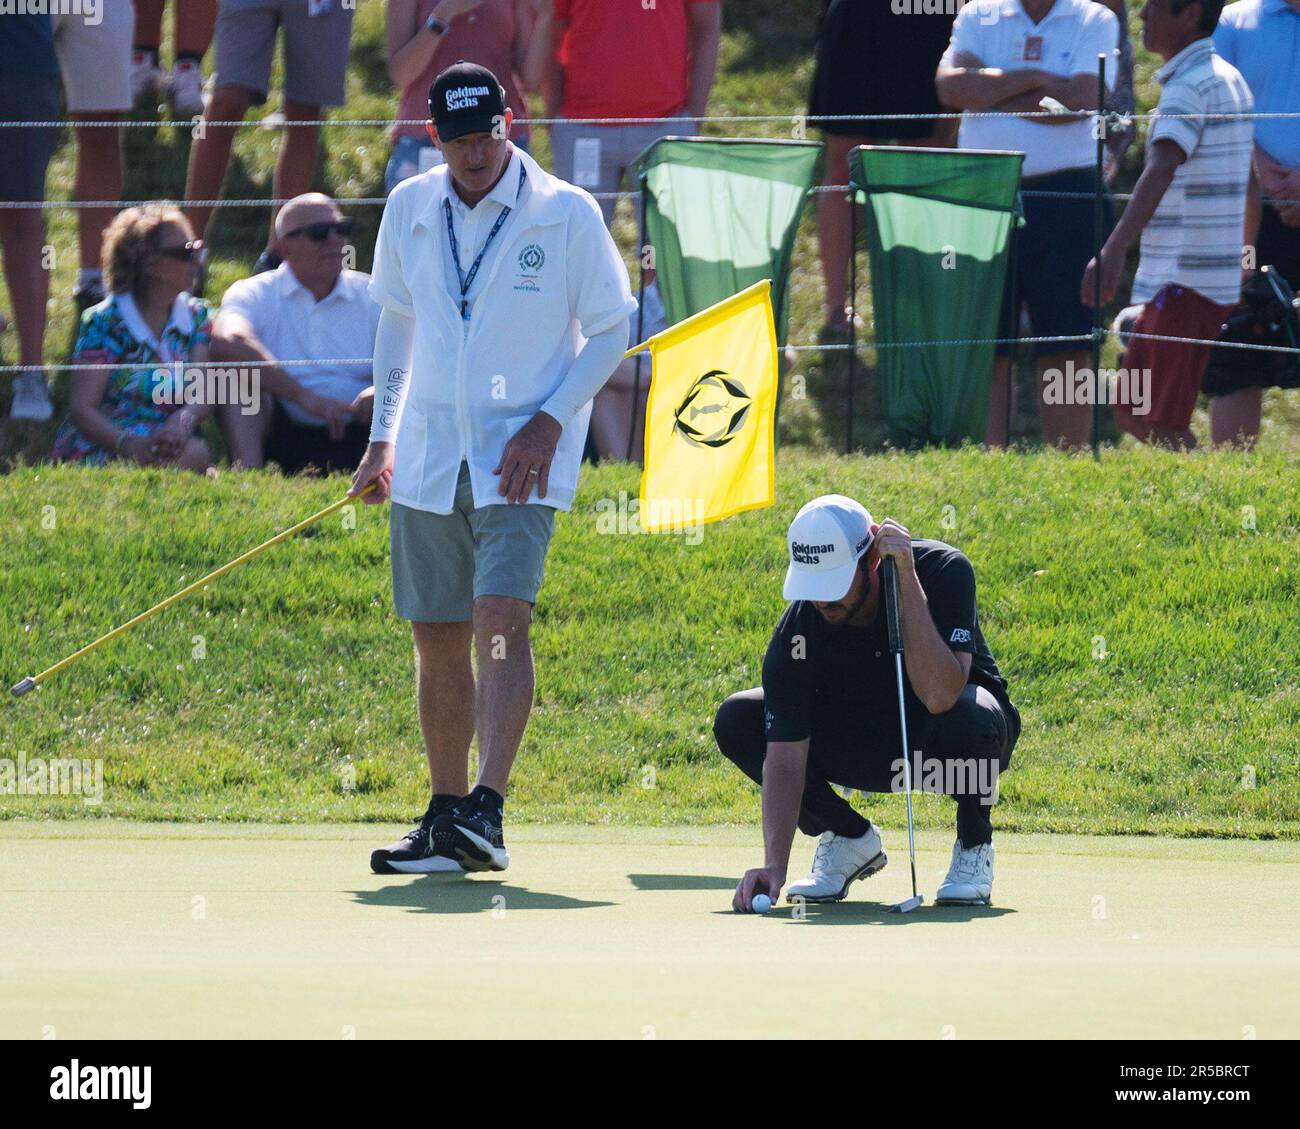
x=131, y=930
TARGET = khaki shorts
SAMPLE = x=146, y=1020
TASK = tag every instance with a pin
x=95, y=59
x=315, y=48
x=442, y=563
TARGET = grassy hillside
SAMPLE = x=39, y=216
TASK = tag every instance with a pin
x=765, y=68
x=1142, y=607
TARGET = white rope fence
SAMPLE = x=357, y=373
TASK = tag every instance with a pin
x=377, y=201
x=1213, y=344
x=830, y=347
x=273, y=202
x=275, y=121
x=956, y=342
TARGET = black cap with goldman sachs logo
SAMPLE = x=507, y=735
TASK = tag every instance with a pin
x=466, y=98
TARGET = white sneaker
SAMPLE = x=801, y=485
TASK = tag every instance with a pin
x=837, y=863
x=146, y=78
x=31, y=398
x=970, y=877
x=187, y=89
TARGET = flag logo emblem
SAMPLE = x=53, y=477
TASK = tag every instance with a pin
x=714, y=410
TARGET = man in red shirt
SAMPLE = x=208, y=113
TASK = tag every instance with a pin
x=625, y=59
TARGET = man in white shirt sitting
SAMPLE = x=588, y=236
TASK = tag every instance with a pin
x=308, y=309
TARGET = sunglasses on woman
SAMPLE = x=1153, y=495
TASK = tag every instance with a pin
x=319, y=232
x=186, y=252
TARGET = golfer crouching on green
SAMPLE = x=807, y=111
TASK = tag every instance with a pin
x=827, y=712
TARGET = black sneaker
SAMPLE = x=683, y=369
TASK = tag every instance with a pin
x=472, y=837
x=412, y=853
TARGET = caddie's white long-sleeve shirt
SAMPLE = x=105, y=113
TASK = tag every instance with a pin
x=549, y=312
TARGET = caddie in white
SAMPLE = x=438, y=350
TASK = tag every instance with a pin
x=827, y=712
x=505, y=309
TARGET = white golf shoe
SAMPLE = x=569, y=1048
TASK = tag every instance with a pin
x=970, y=877
x=837, y=863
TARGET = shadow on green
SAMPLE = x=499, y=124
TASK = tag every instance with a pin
x=681, y=882
x=452, y=893
x=876, y=913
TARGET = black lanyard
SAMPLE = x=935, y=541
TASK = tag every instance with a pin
x=467, y=280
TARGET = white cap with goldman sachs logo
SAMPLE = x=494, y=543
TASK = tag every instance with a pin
x=826, y=540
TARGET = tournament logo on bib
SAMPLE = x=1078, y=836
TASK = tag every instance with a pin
x=714, y=410
x=532, y=258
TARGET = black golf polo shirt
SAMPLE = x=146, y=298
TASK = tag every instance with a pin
x=817, y=675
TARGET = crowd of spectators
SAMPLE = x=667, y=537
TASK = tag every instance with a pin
x=597, y=67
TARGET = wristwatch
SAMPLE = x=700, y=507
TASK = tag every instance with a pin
x=435, y=24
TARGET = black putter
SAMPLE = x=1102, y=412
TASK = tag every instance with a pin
x=894, y=622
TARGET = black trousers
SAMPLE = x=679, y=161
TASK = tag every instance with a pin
x=297, y=447
x=962, y=753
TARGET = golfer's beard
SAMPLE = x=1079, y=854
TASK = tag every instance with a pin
x=844, y=613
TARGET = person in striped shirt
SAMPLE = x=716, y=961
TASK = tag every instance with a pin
x=1189, y=206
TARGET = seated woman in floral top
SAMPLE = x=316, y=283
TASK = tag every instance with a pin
x=137, y=411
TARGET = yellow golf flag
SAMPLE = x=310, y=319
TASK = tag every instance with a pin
x=711, y=416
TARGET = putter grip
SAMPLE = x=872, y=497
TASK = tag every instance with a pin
x=893, y=606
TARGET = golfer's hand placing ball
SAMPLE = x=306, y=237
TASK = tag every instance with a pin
x=377, y=467
x=526, y=460
x=765, y=880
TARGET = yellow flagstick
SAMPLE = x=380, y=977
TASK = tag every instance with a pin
x=27, y=685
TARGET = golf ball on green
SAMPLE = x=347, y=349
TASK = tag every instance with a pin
x=761, y=903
